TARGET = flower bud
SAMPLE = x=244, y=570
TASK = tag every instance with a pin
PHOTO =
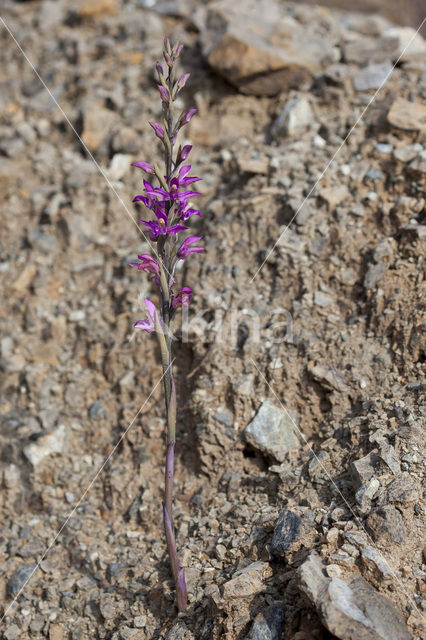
x=183, y=79
x=158, y=130
x=187, y=116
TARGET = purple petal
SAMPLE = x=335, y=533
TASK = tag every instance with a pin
x=186, y=181
x=174, y=229
x=150, y=307
x=184, y=171
x=160, y=214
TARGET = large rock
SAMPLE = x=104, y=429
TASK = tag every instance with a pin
x=410, y=116
x=351, y=609
x=272, y=431
x=257, y=46
x=248, y=581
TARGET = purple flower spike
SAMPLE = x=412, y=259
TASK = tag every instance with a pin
x=187, y=116
x=148, y=324
x=158, y=130
x=164, y=93
x=186, y=150
x=169, y=201
x=182, y=298
x=185, y=249
x=182, y=80
x=145, y=166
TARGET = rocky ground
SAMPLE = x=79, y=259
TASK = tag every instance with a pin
x=301, y=454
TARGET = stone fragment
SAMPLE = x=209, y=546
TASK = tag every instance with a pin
x=248, y=581
x=119, y=166
x=272, y=431
x=321, y=299
x=410, y=116
x=253, y=165
x=366, y=492
x=351, y=609
x=54, y=442
x=296, y=116
x=32, y=549
x=411, y=43
x=12, y=632
x=259, y=48
x=374, y=561
x=179, y=631
x=418, y=165
x=371, y=50
x=268, y=624
x=372, y=77
x=375, y=273
x=328, y=377
x=18, y=579
x=407, y=152
x=50, y=15
x=385, y=525
x=403, y=489
x=96, y=8
x=362, y=470
x=286, y=531
x=388, y=455
x=334, y=195
x=333, y=571
x=97, y=124
x=384, y=249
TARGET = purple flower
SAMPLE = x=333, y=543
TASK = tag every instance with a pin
x=185, y=213
x=182, y=298
x=147, y=264
x=161, y=227
x=158, y=130
x=187, y=116
x=185, y=250
x=182, y=180
x=178, y=49
x=145, y=166
x=184, y=153
x=164, y=93
x=148, y=324
x=182, y=80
